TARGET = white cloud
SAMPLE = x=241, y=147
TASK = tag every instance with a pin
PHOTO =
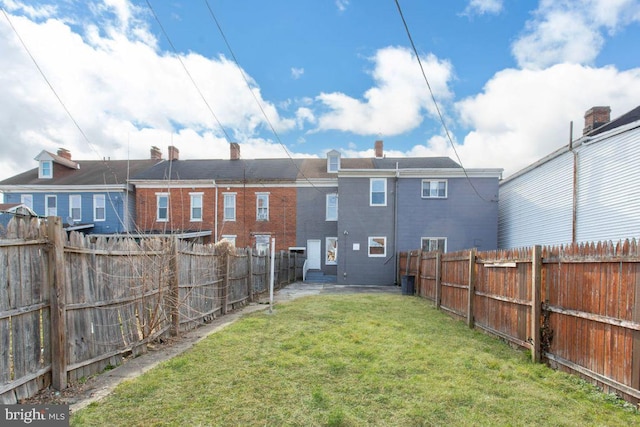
x=398, y=100
x=296, y=73
x=571, y=31
x=119, y=88
x=524, y=115
x=484, y=7
x=342, y=5
x=43, y=11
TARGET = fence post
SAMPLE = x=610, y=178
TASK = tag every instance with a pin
x=58, y=301
x=174, y=288
x=250, y=258
x=418, y=279
x=472, y=286
x=536, y=307
x=225, y=284
x=635, y=316
x=438, y=278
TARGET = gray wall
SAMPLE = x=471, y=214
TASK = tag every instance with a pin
x=311, y=221
x=362, y=221
x=465, y=219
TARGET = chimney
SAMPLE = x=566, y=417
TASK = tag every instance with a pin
x=234, y=151
x=156, y=154
x=596, y=117
x=378, y=149
x=64, y=153
x=174, y=153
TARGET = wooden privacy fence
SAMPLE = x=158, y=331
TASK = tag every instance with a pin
x=575, y=307
x=72, y=306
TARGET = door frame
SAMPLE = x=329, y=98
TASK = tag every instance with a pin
x=318, y=260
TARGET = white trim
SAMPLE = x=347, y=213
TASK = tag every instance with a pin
x=77, y=197
x=371, y=181
x=434, y=238
x=224, y=206
x=104, y=207
x=201, y=197
x=421, y=173
x=158, y=196
x=28, y=204
x=384, y=254
x=229, y=237
x=191, y=183
x=446, y=189
x=41, y=167
x=326, y=251
x=65, y=189
x=326, y=207
x=46, y=204
x=258, y=216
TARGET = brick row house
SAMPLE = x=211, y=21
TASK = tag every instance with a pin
x=350, y=216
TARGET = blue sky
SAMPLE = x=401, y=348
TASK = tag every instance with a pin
x=508, y=75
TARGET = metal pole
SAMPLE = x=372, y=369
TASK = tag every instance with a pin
x=273, y=259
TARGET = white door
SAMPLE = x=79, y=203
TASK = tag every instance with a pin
x=313, y=254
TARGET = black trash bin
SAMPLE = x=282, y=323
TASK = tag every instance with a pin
x=408, y=285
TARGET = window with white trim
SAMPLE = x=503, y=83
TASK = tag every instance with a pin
x=75, y=207
x=332, y=207
x=333, y=162
x=51, y=205
x=196, y=206
x=231, y=238
x=434, y=189
x=99, y=212
x=429, y=244
x=229, y=207
x=162, y=213
x=45, y=171
x=332, y=251
x=262, y=206
x=377, y=246
x=27, y=200
x=378, y=192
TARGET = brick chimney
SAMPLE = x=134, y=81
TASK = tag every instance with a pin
x=234, y=151
x=596, y=117
x=378, y=147
x=64, y=153
x=174, y=153
x=156, y=154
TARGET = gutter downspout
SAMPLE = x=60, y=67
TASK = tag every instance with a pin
x=395, y=224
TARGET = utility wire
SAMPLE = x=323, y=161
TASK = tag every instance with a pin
x=186, y=70
x=435, y=103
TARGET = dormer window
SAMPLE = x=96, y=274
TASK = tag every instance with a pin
x=46, y=169
x=333, y=161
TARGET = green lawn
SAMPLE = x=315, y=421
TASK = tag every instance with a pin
x=354, y=360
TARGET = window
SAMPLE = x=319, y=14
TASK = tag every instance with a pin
x=99, y=213
x=332, y=251
x=262, y=207
x=378, y=188
x=51, y=206
x=333, y=162
x=196, y=206
x=230, y=207
x=163, y=207
x=434, y=189
x=27, y=200
x=231, y=238
x=46, y=169
x=75, y=207
x=262, y=243
x=377, y=246
x=434, y=244
x=332, y=207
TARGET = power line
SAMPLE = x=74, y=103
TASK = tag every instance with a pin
x=435, y=103
x=186, y=70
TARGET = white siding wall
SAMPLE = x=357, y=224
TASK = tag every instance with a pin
x=536, y=207
x=609, y=189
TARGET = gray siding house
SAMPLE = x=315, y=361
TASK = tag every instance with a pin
x=586, y=191
x=386, y=205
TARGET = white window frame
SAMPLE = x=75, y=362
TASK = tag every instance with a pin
x=333, y=163
x=331, y=212
x=436, y=181
x=264, y=215
x=48, y=210
x=331, y=251
x=196, y=203
x=45, y=173
x=162, y=196
x=229, y=204
x=371, y=184
x=27, y=200
x=99, y=202
x=75, y=203
x=370, y=245
x=230, y=238
x=261, y=247
x=432, y=241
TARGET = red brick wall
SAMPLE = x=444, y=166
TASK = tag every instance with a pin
x=281, y=223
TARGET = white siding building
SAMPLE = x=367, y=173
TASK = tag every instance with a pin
x=586, y=192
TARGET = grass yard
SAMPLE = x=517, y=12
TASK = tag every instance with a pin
x=354, y=360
